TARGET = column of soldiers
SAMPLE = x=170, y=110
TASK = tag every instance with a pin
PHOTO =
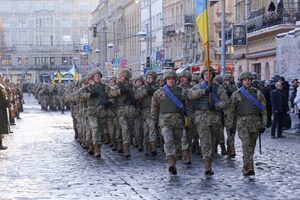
x=180, y=114
x=11, y=105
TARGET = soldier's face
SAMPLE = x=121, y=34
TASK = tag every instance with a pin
x=97, y=78
x=149, y=79
x=138, y=83
x=247, y=82
x=207, y=76
x=122, y=78
x=183, y=80
x=226, y=82
x=171, y=81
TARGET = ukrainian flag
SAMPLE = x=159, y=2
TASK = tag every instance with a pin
x=202, y=25
x=59, y=76
x=74, y=72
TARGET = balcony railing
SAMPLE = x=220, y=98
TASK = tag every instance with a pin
x=268, y=20
x=169, y=30
x=189, y=20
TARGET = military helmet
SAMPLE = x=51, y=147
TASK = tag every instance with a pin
x=219, y=79
x=126, y=73
x=205, y=69
x=169, y=74
x=139, y=78
x=244, y=75
x=229, y=77
x=151, y=73
x=187, y=74
x=96, y=71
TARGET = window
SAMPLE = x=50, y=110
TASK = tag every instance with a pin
x=51, y=40
x=52, y=61
x=38, y=7
x=67, y=23
x=50, y=7
x=84, y=7
x=22, y=6
x=67, y=6
x=5, y=6
x=83, y=22
x=66, y=39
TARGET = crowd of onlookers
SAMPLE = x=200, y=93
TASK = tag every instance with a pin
x=11, y=105
x=277, y=92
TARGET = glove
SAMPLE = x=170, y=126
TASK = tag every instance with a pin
x=262, y=130
x=94, y=95
x=150, y=91
x=208, y=89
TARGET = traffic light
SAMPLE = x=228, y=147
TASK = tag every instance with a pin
x=148, y=62
x=94, y=31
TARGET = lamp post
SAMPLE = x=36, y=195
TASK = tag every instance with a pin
x=223, y=51
x=149, y=31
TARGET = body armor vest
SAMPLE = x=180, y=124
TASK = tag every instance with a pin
x=201, y=103
x=102, y=96
x=167, y=106
x=245, y=107
x=125, y=99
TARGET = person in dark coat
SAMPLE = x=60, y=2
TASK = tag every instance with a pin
x=285, y=87
x=266, y=90
x=279, y=109
x=294, y=92
x=4, y=102
x=271, y=7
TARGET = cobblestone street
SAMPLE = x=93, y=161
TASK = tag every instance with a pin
x=43, y=161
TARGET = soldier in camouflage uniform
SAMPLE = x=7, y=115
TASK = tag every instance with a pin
x=230, y=88
x=209, y=100
x=169, y=117
x=144, y=95
x=185, y=78
x=138, y=123
x=126, y=111
x=218, y=80
x=249, y=118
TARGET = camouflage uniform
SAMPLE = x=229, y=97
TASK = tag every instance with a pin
x=249, y=120
x=230, y=89
x=208, y=116
x=144, y=95
x=170, y=120
x=187, y=132
x=126, y=111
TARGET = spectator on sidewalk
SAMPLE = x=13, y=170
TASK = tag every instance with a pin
x=297, y=101
x=294, y=92
x=4, y=102
x=279, y=109
x=266, y=90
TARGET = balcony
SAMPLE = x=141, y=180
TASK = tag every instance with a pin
x=169, y=30
x=189, y=20
x=264, y=22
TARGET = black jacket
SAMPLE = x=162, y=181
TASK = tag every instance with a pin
x=279, y=101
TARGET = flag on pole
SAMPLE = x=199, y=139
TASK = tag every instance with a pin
x=59, y=76
x=74, y=72
x=202, y=25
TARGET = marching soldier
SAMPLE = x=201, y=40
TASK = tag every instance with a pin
x=126, y=111
x=144, y=94
x=168, y=104
x=4, y=104
x=248, y=114
x=209, y=100
x=230, y=88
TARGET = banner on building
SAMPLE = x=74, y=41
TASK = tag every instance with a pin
x=239, y=35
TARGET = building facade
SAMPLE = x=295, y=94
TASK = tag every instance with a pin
x=44, y=36
x=263, y=24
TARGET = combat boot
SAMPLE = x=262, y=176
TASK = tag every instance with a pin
x=207, y=165
x=114, y=145
x=153, y=149
x=1, y=145
x=107, y=139
x=186, y=158
x=172, y=165
x=147, y=148
x=91, y=149
x=248, y=170
x=97, y=151
x=120, y=147
x=140, y=146
x=223, y=149
x=231, y=151
x=126, y=150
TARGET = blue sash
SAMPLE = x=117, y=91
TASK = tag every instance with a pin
x=215, y=97
x=252, y=99
x=174, y=99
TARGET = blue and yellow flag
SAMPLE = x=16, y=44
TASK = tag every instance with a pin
x=74, y=72
x=202, y=25
x=59, y=76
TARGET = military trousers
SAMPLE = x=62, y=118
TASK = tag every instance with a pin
x=150, y=130
x=172, y=139
x=97, y=129
x=248, y=140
